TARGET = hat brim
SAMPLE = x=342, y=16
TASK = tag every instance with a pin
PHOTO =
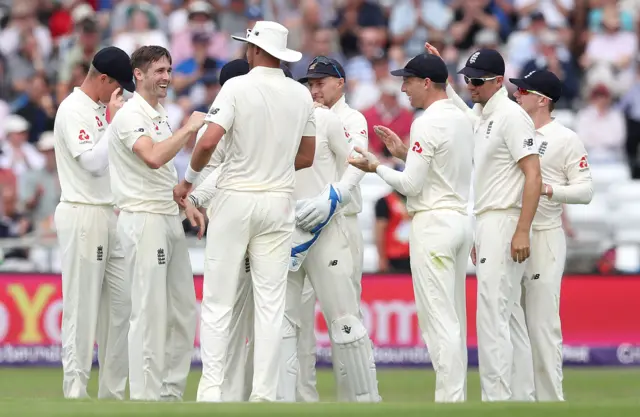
x=520, y=83
x=130, y=86
x=472, y=72
x=315, y=76
x=286, y=55
x=402, y=73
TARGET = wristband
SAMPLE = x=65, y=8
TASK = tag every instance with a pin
x=191, y=176
x=194, y=201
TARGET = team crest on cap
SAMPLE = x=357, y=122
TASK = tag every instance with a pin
x=473, y=57
x=312, y=66
x=529, y=74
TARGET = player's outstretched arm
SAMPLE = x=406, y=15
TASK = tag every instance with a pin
x=579, y=188
x=306, y=153
x=202, y=195
x=156, y=155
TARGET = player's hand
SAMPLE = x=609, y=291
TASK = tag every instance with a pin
x=368, y=162
x=311, y=212
x=196, y=121
x=520, y=246
x=195, y=217
x=473, y=255
x=181, y=191
x=115, y=102
x=432, y=49
x=392, y=141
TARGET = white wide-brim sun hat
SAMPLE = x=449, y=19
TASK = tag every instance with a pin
x=272, y=38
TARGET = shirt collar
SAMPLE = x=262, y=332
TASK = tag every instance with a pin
x=437, y=105
x=546, y=129
x=340, y=104
x=88, y=100
x=494, y=101
x=146, y=107
x=267, y=71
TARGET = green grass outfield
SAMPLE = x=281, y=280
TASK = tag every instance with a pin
x=408, y=392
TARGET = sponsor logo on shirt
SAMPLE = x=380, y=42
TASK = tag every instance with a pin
x=584, y=163
x=213, y=111
x=543, y=148
x=527, y=143
x=83, y=136
x=417, y=148
x=99, y=122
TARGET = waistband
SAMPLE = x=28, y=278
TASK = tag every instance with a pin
x=448, y=210
x=501, y=212
x=280, y=194
x=543, y=228
x=103, y=206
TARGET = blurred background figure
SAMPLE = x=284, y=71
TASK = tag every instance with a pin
x=17, y=153
x=393, y=225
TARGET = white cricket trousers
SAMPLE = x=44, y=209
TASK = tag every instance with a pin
x=499, y=280
x=541, y=302
x=260, y=224
x=440, y=244
x=163, y=314
x=95, y=298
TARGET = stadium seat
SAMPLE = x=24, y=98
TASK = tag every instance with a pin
x=605, y=175
x=565, y=116
x=623, y=193
x=590, y=224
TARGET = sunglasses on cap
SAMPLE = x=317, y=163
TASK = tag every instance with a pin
x=525, y=92
x=326, y=61
x=477, y=82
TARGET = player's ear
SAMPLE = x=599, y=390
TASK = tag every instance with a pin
x=137, y=73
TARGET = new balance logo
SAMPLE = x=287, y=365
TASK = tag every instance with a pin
x=527, y=143
x=333, y=263
x=99, y=253
x=483, y=260
x=536, y=276
x=162, y=259
x=346, y=329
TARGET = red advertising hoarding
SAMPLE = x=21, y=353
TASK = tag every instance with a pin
x=597, y=313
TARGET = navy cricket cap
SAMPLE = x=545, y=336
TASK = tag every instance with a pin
x=232, y=69
x=482, y=63
x=115, y=63
x=287, y=71
x=322, y=67
x=543, y=82
x=425, y=66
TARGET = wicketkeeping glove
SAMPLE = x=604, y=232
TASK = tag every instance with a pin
x=313, y=214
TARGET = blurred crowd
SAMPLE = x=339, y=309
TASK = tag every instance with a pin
x=46, y=47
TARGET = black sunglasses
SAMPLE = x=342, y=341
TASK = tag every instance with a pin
x=477, y=82
x=326, y=61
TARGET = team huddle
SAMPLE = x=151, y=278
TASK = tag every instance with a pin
x=277, y=166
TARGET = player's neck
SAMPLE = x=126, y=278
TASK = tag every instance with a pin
x=89, y=90
x=149, y=98
x=436, y=96
x=541, y=118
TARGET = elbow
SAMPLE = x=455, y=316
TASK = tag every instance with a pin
x=411, y=191
x=154, y=163
x=588, y=195
x=304, y=162
x=208, y=145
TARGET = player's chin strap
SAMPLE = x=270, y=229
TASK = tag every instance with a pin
x=303, y=241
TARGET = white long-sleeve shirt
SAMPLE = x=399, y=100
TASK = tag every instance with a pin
x=564, y=165
x=437, y=173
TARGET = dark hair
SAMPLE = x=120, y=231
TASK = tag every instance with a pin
x=144, y=56
x=552, y=106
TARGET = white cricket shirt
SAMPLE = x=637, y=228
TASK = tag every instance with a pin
x=437, y=174
x=503, y=135
x=355, y=126
x=80, y=123
x=136, y=187
x=564, y=165
x=330, y=161
x=265, y=115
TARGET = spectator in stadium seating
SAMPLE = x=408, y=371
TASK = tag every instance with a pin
x=351, y=19
x=596, y=16
x=211, y=88
x=18, y=154
x=81, y=49
x=556, y=12
x=189, y=72
x=521, y=44
x=233, y=19
x=412, y=22
x=601, y=127
x=549, y=59
x=199, y=21
x=393, y=225
x=24, y=19
x=39, y=189
x=470, y=17
x=121, y=12
x=388, y=112
x=38, y=107
x=630, y=106
x=321, y=43
x=13, y=223
x=142, y=29
x=27, y=62
x=359, y=68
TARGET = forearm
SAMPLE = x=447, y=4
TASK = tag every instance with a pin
x=348, y=183
x=581, y=193
x=530, y=199
x=166, y=150
x=400, y=181
x=96, y=160
x=489, y=21
x=459, y=102
x=203, y=194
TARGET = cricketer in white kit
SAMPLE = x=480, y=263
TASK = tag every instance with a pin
x=141, y=152
x=436, y=181
x=328, y=265
x=507, y=187
x=95, y=291
x=566, y=179
x=269, y=131
x=326, y=79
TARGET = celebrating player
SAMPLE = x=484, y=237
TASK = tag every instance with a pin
x=269, y=132
x=566, y=180
x=507, y=190
x=141, y=152
x=93, y=279
x=436, y=181
x=326, y=79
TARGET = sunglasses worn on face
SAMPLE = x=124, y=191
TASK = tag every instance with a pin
x=524, y=92
x=325, y=61
x=477, y=82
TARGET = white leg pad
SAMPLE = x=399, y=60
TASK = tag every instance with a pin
x=289, y=365
x=354, y=358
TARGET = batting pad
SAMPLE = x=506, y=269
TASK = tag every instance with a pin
x=354, y=359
